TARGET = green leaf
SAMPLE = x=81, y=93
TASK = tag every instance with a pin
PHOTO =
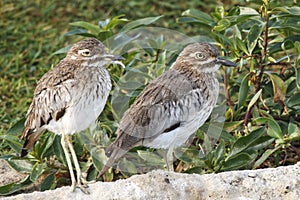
x=199, y=15
x=77, y=31
x=63, y=50
x=13, y=142
x=238, y=161
x=279, y=88
x=12, y=136
x=222, y=25
x=287, y=11
x=236, y=19
x=219, y=154
x=231, y=126
x=253, y=36
x=58, y=150
x=17, y=128
x=243, y=143
x=151, y=157
x=98, y=157
x=190, y=20
x=135, y=70
x=207, y=143
x=227, y=137
x=129, y=85
x=254, y=99
x=48, y=182
x=243, y=91
x=187, y=155
x=127, y=167
x=37, y=171
x=115, y=21
x=88, y=26
x=274, y=129
x=195, y=170
x=293, y=131
x=140, y=22
x=241, y=45
x=265, y=156
x=14, y=187
x=297, y=48
x=104, y=35
x=278, y=46
x=260, y=143
x=20, y=165
x=294, y=100
x=48, y=143
x=219, y=13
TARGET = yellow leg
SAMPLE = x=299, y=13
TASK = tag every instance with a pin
x=168, y=157
x=81, y=182
x=69, y=163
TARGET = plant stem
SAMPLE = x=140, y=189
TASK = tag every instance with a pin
x=262, y=61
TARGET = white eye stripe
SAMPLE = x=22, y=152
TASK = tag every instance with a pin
x=197, y=54
x=73, y=57
x=209, y=60
x=93, y=57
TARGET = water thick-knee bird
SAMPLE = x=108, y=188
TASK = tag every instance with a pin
x=173, y=106
x=69, y=98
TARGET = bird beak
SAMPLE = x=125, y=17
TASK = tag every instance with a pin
x=115, y=59
x=225, y=62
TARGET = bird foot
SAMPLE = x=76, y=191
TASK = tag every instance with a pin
x=83, y=188
x=85, y=182
x=82, y=184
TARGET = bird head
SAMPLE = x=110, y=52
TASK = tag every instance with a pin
x=91, y=52
x=203, y=57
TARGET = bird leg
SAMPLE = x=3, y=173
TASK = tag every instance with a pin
x=81, y=182
x=168, y=157
x=68, y=158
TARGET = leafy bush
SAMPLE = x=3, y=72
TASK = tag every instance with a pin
x=260, y=100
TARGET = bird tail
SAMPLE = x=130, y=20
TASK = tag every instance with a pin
x=114, y=153
x=30, y=139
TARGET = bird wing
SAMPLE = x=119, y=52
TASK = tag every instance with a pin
x=168, y=101
x=50, y=101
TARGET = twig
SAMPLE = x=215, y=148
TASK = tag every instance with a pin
x=261, y=67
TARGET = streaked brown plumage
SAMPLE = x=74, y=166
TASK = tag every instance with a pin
x=171, y=107
x=69, y=98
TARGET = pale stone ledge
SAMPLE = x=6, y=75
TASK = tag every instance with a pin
x=270, y=184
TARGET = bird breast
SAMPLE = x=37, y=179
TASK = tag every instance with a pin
x=88, y=97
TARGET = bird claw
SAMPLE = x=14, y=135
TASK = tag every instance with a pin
x=83, y=187
x=82, y=184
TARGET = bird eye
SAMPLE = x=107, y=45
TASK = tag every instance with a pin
x=199, y=56
x=85, y=52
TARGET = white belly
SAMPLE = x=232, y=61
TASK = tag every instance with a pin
x=180, y=135
x=78, y=117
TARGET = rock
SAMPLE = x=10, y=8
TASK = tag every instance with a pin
x=8, y=175
x=274, y=183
